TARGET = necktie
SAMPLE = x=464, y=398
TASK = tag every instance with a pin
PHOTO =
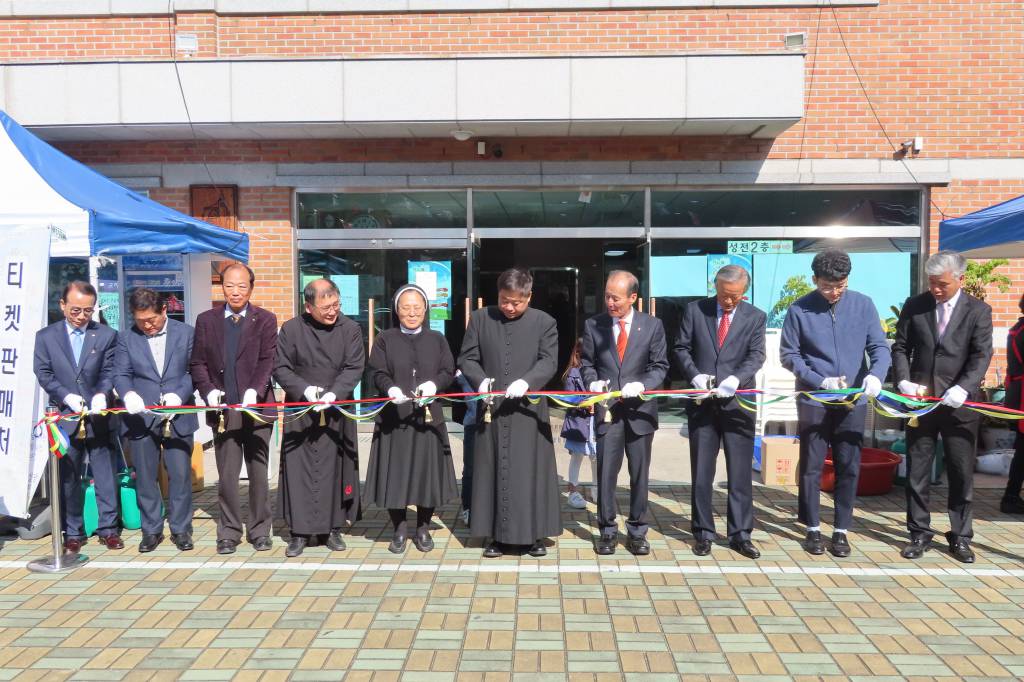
x=723, y=328
x=620, y=343
x=236, y=318
x=77, y=339
x=943, y=317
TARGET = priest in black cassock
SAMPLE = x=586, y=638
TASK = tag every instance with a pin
x=319, y=359
x=410, y=459
x=513, y=348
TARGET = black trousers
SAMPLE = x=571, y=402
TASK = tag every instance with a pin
x=711, y=424
x=842, y=429
x=959, y=431
x=103, y=465
x=177, y=457
x=612, y=443
x=1016, y=480
x=468, y=443
x=246, y=441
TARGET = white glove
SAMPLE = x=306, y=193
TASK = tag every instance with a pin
x=170, y=400
x=910, y=388
x=954, y=397
x=633, y=389
x=517, y=389
x=701, y=382
x=75, y=402
x=249, y=397
x=134, y=403
x=98, y=404
x=427, y=389
x=312, y=394
x=872, y=386
x=832, y=383
x=727, y=388
x=485, y=387
x=213, y=398
x=599, y=386
x=325, y=401
x=396, y=395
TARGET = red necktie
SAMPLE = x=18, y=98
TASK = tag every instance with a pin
x=723, y=328
x=620, y=343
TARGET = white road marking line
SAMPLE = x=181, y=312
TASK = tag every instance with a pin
x=546, y=568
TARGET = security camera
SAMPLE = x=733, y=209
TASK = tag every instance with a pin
x=497, y=152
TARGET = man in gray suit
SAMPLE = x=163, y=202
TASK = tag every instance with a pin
x=152, y=368
x=74, y=363
x=624, y=350
x=722, y=339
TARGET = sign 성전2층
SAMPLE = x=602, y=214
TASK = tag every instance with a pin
x=753, y=247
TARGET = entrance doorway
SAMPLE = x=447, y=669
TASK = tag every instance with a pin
x=568, y=277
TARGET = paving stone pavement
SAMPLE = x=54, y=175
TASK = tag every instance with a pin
x=364, y=614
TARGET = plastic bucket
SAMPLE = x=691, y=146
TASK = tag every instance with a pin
x=757, y=453
x=130, y=516
x=90, y=513
x=877, y=470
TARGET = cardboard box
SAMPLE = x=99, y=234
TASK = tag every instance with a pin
x=780, y=460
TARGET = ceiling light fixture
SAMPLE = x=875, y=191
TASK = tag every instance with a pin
x=461, y=134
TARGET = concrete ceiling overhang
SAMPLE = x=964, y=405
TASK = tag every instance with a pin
x=756, y=95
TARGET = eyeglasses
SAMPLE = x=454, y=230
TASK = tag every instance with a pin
x=832, y=288
x=329, y=308
x=75, y=312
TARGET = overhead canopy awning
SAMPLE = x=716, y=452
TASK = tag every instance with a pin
x=993, y=232
x=756, y=95
x=90, y=214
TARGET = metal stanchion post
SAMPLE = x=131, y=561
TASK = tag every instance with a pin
x=59, y=562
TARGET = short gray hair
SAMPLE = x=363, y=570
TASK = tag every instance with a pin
x=942, y=262
x=732, y=273
x=632, y=283
x=319, y=288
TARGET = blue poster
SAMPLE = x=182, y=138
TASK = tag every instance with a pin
x=435, y=278
x=679, y=276
x=348, y=285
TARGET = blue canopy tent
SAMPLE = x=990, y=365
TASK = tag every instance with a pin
x=91, y=214
x=993, y=232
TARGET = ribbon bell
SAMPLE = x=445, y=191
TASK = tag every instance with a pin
x=80, y=434
x=220, y=423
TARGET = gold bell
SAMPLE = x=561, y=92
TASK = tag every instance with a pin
x=323, y=418
x=913, y=423
x=426, y=414
x=220, y=422
x=81, y=427
x=487, y=413
x=607, y=412
x=167, y=427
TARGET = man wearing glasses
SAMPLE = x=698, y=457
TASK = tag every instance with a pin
x=74, y=363
x=320, y=360
x=824, y=340
x=232, y=359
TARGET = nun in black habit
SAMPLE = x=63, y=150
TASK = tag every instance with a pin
x=410, y=458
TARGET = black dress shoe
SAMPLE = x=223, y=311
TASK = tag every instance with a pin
x=422, y=540
x=183, y=541
x=335, y=542
x=606, y=545
x=150, y=542
x=812, y=544
x=262, y=544
x=492, y=551
x=226, y=546
x=538, y=549
x=296, y=545
x=746, y=548
x=1011, y=505
x=960, y=549
x=638, y=546
x=397, y=545
x=840, y=545
x=702, y=547
x=916, y=548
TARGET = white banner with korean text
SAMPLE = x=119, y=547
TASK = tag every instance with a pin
x=24, y=263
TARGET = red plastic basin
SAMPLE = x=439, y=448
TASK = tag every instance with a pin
x=877, y=470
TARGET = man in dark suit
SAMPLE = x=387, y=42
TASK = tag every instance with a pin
x=74, y=363
x=721, y=340
x=150, y=369
x=232, y=359
x=624, y=350
x=943, y=348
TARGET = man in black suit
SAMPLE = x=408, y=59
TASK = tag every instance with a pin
x=152, y=368
x=624, y=350
x=721, y=340
x=74, y=363
x=943, y=348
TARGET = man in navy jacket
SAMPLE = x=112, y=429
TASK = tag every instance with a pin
x=74, y=363
x=824, y=340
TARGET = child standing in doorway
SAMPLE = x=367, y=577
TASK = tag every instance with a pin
x=578, y=433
